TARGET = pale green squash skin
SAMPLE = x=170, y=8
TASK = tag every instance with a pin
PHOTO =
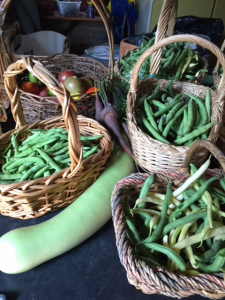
x=25, y=248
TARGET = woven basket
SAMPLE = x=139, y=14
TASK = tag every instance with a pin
x=156, y=280
x=34, y=198
x=165, y=27
x=216, y=77
x=151, y=154
x=38, y=108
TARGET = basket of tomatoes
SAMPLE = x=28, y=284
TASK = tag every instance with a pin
x=80, y=76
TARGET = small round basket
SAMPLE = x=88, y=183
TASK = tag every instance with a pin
x=40, y=108
x=156, y=280
x=153, y=155
x=34, y=198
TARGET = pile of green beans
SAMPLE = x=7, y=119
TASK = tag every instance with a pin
x=41, y=154
x=178, y=62
x=174, y=118
x=177, y=235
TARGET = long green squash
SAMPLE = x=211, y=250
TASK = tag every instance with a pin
x=25, y=248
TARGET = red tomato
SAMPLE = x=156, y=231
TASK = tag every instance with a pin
x=30, y=87
x=65, y=74
x=92, y=90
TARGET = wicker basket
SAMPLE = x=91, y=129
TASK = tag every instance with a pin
x=165, y=27
x=151, y=154
x=216, y=77
x=38, y=108
x=34, y=198
x=156, y=280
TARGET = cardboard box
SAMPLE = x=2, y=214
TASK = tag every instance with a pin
x=125, y=47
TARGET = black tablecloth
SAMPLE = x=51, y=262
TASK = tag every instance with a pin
x=90, y=271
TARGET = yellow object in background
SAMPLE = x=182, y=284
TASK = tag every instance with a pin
x=109, y=4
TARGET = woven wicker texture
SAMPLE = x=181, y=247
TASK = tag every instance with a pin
x=141, y=275
x=165, y=27
x=151, y=154
x=38, y=108
x=34, y=198
x=216, y=77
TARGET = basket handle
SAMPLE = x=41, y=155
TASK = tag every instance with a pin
x=203, y=144
x=217, y=66
x=176, y=39
x=3, y=10
x=69, y=112
x=166, y=23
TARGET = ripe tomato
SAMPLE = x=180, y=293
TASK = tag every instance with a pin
x=92, y=90
x=65, y=74
x=30, y=87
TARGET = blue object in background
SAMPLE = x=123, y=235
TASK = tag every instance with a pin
x=123, y=17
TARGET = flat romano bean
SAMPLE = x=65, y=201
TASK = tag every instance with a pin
x=158, y=104
x=193, y=134
x=203, y=112
x=171, y=122
x=174, y=110
x=190, y=117
x=169, y=253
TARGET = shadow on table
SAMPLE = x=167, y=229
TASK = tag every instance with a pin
x=10, y=295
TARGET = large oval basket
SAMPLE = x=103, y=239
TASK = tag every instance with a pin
x=34, y=198
x=156, y=280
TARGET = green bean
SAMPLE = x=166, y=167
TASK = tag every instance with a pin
x=222, y=182
x=65, y=161
x=141, y=101
x=40, y=172
x=90, y=152
x=166, y=109
x=167, y=64
x=145, y=251
x=132, y=232
x=9, y=176
x=47, y=173
x=179, y=71
x=205, y=257
x=35, y=147
x=145, y=189
x=155, y=235
x=150, y=116
x=25, y=166
x=9, y=153
x=21, y=161
x=193, y=134
x=160, y=125
x=182, y=57
x=31, y=171
x=163, y=98
x=187, y=219
x=190, y=56
x=34, y=142
x=5, y=182
x=153, y=131
x=175, y=58
x=171, y=122
x=91, y=137
x=215, y=266
x=49, y=160
x=60, y=157
x=190, y=117
x=63, y=150
x=202, y=107
x=15, y=144
x=148, y=260
x=169, y=253
x=158, y=104
x=57, y=146
x=174, y=110
x=169, y=52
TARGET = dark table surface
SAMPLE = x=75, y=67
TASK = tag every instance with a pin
x=90, y=271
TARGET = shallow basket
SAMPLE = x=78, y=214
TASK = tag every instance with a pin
x=165, y=28
x=37, y=108
x=157, y=280
x=151, y=154
x=34, y=198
